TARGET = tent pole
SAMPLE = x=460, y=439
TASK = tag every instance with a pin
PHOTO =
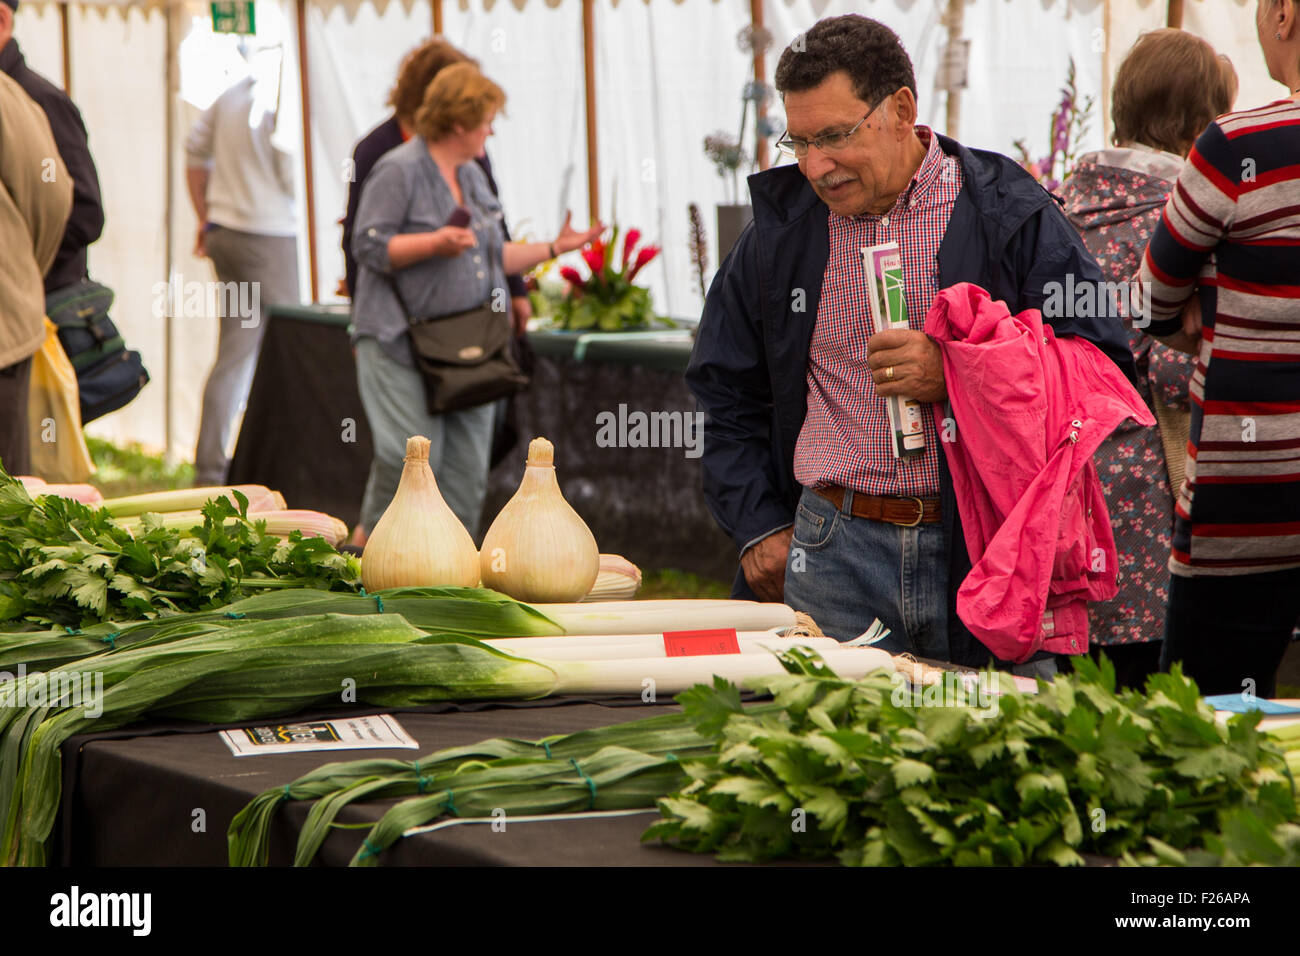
x=589, y=69
x=1105, y=72
x=66, y=43
x=172, y=82
x=306, y=148
x=954, y=19
x=1175, y=18
x=437, y=17
x=760, y=74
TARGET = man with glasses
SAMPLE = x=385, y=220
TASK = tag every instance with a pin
x=798, y=461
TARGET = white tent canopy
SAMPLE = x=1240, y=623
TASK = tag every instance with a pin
x=666, y=74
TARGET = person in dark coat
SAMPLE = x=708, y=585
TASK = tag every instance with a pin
x=86, y=223
x=790, y=376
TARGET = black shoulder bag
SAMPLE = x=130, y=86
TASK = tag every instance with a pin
x=109, y=375
x=465, y=359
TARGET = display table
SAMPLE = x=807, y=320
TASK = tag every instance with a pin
x=130, y=797
x=305, y=434
x=644, y=502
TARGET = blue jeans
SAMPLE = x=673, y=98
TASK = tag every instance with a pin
x=848, y=571
x=459, y=442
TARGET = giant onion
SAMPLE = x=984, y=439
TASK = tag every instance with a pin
x=538, y=548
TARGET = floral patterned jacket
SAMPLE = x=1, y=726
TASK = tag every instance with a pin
x=1115, y=198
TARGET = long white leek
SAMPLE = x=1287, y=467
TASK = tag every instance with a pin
x=651, y=617
x=609, y=647
x=672, y=675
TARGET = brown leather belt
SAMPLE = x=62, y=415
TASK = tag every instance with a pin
x=906, y=511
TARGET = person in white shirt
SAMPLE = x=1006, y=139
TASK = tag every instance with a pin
x=241, y=184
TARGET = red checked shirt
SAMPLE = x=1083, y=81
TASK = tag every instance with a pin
x=846, y=439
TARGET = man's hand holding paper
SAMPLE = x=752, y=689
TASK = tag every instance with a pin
x=916, y=362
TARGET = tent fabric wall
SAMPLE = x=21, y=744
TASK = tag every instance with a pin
x=348, y=93
x=124, y=108
x=38, y=29
x=667, y=74
x=1011, y=91
x=666, y=77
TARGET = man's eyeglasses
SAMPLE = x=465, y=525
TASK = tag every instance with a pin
x=827, y=142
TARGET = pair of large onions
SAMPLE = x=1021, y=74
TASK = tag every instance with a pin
x=538, y=548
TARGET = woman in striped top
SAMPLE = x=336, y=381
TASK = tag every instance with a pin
x=1224, y=273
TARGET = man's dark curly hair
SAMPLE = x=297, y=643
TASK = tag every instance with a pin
x=867, y=50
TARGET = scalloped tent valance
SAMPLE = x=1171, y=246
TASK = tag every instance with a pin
x=350, y=7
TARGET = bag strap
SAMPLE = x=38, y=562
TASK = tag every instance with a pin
x=406, y=311
x=401, y=299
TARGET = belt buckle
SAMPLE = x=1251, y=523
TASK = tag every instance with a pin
x=920, y=512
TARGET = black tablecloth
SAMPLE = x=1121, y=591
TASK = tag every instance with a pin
x=130, y=796
x=643, y=503
x=305, y=435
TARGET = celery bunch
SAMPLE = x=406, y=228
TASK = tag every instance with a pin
x=1076, y=768
x=870, y=776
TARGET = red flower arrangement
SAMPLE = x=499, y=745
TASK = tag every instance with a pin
x=607, y=300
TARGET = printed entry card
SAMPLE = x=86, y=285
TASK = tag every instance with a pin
x=343, y=733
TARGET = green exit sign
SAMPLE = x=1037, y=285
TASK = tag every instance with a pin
x=231, y=17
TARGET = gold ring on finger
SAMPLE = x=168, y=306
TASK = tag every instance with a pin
x=889, y=373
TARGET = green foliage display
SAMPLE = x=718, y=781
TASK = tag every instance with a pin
x=846, y=770
x=70, y=565
x=607, y=301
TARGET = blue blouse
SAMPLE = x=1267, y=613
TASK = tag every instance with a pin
x=406, y=193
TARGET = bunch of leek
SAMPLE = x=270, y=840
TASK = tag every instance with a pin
x=464, y=611
x=221, y=674
x=230, y=666
x=471, y=612
x=639, y=765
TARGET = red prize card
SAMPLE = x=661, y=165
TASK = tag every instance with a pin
x=699, y=643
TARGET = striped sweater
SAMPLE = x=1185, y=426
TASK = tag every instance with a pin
x=1231, y=229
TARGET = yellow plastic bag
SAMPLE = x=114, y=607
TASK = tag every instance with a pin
x=58, y=447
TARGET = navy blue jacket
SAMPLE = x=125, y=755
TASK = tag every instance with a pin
x=749, y=366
